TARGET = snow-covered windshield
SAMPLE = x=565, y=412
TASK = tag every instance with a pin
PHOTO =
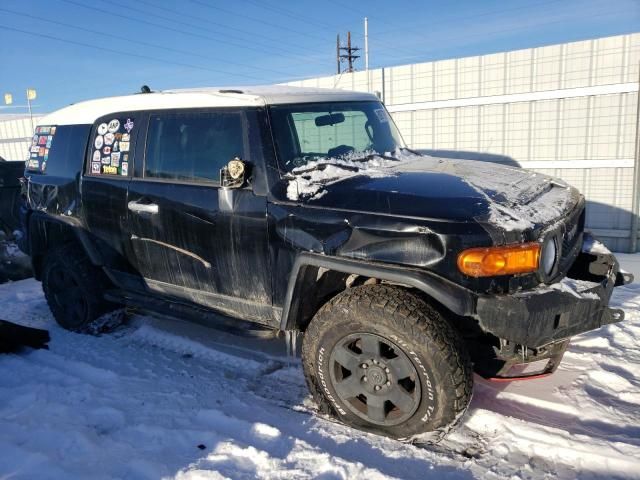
x=309, y=132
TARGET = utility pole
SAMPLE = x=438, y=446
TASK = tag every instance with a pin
x=31, y=95
x=349, y=56
x=366, y=43
x=338, y=53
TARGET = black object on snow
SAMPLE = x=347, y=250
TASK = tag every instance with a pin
x=13, y=337
x=10, y=173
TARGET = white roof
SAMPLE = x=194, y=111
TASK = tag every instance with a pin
x=88, y=112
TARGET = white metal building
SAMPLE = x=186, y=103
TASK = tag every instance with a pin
x=15, y=136
x=568, y=110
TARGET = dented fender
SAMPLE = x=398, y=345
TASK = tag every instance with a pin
x=456, y=298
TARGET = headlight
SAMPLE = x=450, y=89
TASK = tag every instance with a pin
x=506, y=260
x=549, y=254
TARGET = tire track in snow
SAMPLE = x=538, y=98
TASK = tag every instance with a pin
x=168, y=398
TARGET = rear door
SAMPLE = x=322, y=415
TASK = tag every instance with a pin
x=112, y=142
x=187, y=238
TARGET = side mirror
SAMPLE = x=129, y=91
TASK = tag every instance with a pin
x=233, y=174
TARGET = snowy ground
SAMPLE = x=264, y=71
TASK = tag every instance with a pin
x=161, y=398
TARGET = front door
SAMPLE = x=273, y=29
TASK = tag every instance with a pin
x=189, y=238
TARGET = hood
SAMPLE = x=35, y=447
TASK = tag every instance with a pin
x=506, y=198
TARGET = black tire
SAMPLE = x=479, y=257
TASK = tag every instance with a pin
x=74, y=288
x=422, y=382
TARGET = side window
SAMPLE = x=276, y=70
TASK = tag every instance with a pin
x=193, y=146
x=58, y=150
x=111, y=146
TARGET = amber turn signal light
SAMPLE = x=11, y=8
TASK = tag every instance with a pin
x=507, y=260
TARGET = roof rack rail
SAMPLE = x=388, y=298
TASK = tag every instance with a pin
x=230, y=90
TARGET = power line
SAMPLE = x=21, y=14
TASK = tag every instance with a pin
x=184, y=32
x=141, y=42
x=122, y=52
x=394, y=48
x=248, y=44
x=221, y=25
x=158, y=25
x=259, y=20
x=291, y=14
x=455, y=19
x=604, y=13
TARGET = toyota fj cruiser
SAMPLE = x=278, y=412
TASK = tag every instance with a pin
x=303, y=210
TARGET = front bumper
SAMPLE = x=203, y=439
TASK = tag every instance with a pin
x=536, y=325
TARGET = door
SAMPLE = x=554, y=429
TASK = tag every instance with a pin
x=104, y=185
x=188, y=238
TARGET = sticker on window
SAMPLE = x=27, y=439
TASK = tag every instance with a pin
x=382, y=115
x=41, y=142
x=114, y=125
x=111, y=138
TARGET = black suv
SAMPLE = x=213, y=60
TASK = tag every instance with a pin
x=302, y=210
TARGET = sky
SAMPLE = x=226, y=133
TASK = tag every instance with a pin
x=73, y=50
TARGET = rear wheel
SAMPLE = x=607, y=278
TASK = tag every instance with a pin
x=381, y=359
x=74, y=288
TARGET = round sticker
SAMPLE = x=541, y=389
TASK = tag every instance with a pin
x=96, y=156
x=102, y=129
x=109, y=138
x=99, y=142
x=114, y=125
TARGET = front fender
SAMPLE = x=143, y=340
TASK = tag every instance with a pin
x=454, y=297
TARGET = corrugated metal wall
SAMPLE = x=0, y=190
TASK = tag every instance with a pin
x=15, y=136
x=567, y=110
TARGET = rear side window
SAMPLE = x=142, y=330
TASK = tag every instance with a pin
x=58, y=150
x=111, y=146
x=193, y=147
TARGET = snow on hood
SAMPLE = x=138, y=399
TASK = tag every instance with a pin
x=311, y=179
x=518, y=199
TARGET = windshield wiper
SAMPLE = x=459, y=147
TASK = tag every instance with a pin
x=411, y=151
x=371, y=156
x=322, y=166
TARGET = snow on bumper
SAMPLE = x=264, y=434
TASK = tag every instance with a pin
x=554, y=313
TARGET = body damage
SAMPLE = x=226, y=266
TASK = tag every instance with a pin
x=422, y=212
x=275, y=249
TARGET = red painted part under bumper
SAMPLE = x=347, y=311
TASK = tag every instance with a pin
x=514, y=379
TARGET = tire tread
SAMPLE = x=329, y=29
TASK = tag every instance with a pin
x=414, y=316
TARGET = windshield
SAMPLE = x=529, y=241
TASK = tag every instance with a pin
x=308, y=132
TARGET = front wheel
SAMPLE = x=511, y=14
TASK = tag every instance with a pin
x=381, y=359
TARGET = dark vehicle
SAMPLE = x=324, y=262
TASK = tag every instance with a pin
x=301, y=210
x=10, y=174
